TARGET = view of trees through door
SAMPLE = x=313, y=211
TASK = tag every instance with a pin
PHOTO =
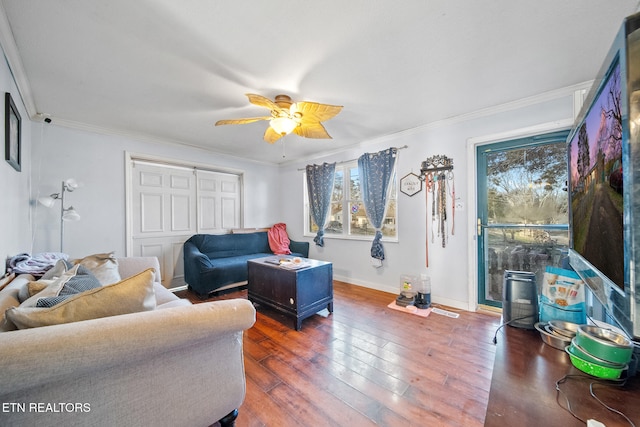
x=523, y=222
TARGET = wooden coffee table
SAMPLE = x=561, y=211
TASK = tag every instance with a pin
x=296, y=293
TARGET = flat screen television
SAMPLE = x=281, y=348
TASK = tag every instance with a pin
x=604, y=182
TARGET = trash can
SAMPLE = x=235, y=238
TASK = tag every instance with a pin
x=519, y=299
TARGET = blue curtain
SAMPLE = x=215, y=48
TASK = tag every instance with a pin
x=376, y=171
x=320, y=180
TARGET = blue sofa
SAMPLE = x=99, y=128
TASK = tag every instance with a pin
x=215, y=262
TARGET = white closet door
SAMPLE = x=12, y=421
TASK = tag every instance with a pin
x=218, y=202
x=163, y=216
x=169, y=204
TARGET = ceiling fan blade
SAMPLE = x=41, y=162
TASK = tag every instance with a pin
x=313, y=130
x=262, y=101
x=241, y=121
x=271, y=135
x=314, y=111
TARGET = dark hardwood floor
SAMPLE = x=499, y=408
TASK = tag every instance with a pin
x=366, y=364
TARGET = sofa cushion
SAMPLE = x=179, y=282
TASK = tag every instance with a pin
x=127, y=296
x=231, y=269
x=229, y=245
x=130, y=266
x=163, y=295
x=103, y=266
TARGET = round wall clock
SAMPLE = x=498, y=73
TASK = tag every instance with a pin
x=410, y=184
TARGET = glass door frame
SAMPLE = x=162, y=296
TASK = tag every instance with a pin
x=480, y=151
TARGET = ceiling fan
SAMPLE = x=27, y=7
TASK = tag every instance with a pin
x=302, y=118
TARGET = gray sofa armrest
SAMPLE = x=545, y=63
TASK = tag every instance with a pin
x=134, y=358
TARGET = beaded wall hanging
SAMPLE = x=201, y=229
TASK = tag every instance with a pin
x=437, y=173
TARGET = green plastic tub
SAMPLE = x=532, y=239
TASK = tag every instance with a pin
x=591, y=368
x=604, y=344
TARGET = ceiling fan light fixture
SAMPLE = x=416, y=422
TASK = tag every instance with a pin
x=283, y=125
x=303, y=117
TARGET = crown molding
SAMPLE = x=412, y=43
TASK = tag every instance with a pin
x=143, y=137
x=478, y=114
x=506, y=107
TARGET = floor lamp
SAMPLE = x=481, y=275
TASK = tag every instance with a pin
x=66, y=214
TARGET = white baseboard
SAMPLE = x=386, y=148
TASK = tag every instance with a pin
x=435, y=299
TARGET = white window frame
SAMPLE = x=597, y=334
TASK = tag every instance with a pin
x=346, y=203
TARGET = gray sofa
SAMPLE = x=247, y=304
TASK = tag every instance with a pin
x=215, y=262
x=178, y=364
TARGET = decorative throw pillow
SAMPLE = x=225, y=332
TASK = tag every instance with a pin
x=8, y=299
x=127, y=296
x=82, y=281
x=54, y=273
x=31, y=288
x=77, y=274
x=103, y=266
x=60, y=267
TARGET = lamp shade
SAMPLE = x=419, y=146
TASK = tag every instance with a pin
x=283, y=125
x=70, y=184
x=47, y=201
x=70, y=214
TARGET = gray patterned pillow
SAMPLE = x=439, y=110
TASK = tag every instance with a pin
x=54, y=287
x=131, y=295
x=61, y=267
x=82, y=281
x=53, y=274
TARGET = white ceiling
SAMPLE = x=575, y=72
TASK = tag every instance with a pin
x=168, y=70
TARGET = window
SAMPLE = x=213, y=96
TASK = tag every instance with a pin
x=347, y=218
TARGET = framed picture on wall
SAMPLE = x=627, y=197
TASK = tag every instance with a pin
x=410, y=184
x=12, y=147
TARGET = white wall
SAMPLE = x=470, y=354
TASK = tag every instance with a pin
x=98, y=163
x=449, y=267
x=15, y=222
x=53, y=153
